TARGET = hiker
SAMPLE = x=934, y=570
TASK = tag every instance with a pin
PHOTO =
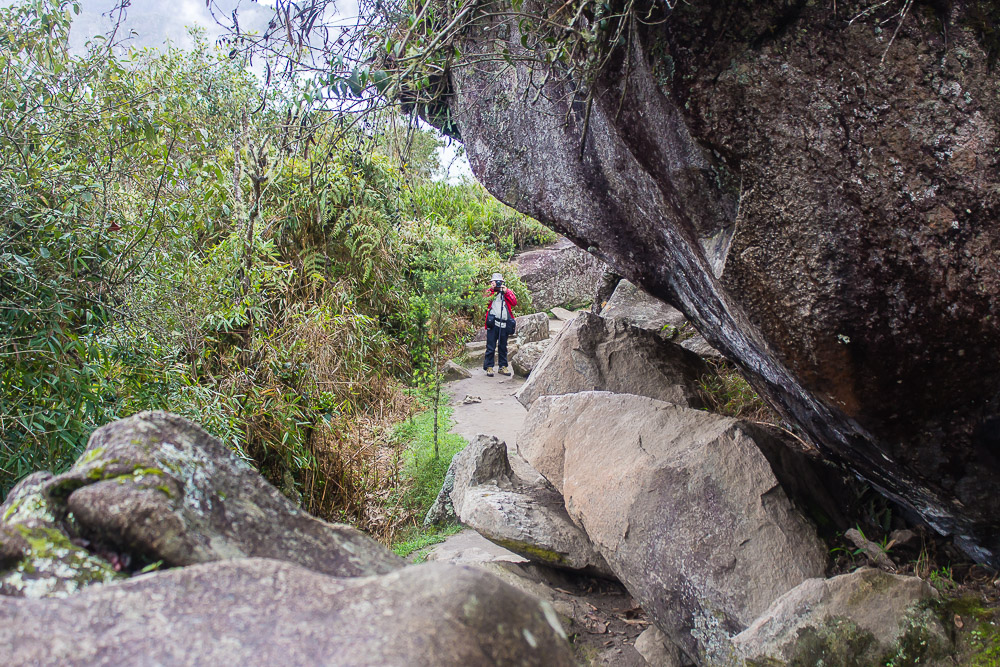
x=499, y=323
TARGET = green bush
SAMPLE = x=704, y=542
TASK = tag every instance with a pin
x=477, y=217
x=169, y=242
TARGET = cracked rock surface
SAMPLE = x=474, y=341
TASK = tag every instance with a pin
x=682, y=505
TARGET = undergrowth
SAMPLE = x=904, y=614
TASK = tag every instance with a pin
x=420, y=475
x=185, y=239
x=417, y=538
x=423, y=473
x=726, y=392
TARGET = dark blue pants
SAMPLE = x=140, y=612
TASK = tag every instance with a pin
x=496, y=335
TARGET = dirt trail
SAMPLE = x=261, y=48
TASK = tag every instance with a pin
x=499, y=413
x=603, y=620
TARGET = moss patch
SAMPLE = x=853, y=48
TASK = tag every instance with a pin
x=53, y=566
x=533, y=552
x=977, y=629
x=838, y=641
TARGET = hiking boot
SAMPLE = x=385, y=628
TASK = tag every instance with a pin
x=489, y=372
x=504, y=370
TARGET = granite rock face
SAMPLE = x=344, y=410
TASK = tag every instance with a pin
x=261, y=611
x=156, y=487
x=560, y=275
x=592, y=353
x=822, y=206
x=37, y=557
x=683, y=506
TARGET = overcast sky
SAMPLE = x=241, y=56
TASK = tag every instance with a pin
x=155, y=22
x=152, y=23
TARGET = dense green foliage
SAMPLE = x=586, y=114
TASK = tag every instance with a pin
x=174, y=236
x=478, y=218
x=420, y=463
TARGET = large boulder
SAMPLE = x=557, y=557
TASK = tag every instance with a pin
x=532, y=328
x=855, y=618
x=259, y=611
x=818, y=195
x=630, y=303
x=525, y=517
x=560, y=275
x=528, y=356
x=682, y=505
x=593, y=353
x=156, y=487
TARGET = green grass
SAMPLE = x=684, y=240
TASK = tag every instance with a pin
x=726, y=392
x=417, y=538
x=422, y=475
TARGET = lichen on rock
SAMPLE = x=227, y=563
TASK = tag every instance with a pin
x=52, y=566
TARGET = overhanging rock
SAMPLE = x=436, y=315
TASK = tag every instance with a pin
x=822, y=205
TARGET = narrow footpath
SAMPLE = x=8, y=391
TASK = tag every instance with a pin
x=602, y=618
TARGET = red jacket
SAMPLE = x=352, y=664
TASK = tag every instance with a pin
x=508, y=297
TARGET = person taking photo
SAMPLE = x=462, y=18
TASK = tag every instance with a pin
x=499, y=323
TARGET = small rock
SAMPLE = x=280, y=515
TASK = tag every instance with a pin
x=453, y=371
x=700, y=346
x=904, y=538
x=865, y=612
x=528, y=519
x=468, y=400
x=562, y=314
x=475, y=348
x=876, y=554
x=532, y=328
x=527, y=356
x=657, y=650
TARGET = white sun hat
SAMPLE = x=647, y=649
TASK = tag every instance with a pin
x=496, y=277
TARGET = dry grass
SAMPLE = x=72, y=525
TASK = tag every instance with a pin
x=357, y=468
x=726, y=392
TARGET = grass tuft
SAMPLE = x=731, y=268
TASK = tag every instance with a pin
x=416, y=538
x=422, y=473
x=727, y=393
x=420, y=477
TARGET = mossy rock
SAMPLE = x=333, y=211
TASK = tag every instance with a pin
x=51, y=565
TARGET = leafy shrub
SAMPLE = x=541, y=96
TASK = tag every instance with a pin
x=167, y=242
x=477, y=217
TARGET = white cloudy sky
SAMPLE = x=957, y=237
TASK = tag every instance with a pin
x=154, y=22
